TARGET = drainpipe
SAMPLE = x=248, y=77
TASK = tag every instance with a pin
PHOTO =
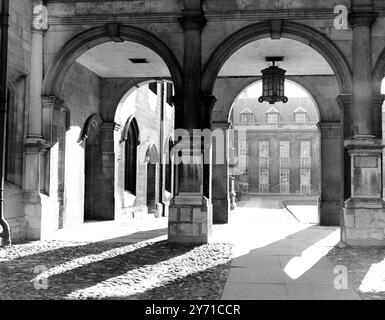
x=5, y=234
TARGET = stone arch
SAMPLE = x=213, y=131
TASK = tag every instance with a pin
x=290, y=30
x=82, y=42
x=91, y=130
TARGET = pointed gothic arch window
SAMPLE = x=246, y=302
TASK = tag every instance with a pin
x=131, y=139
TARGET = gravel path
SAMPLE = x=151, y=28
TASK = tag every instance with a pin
x=366, y=269
x=106, y=270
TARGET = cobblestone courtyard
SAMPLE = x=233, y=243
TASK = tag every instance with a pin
x=134, y=261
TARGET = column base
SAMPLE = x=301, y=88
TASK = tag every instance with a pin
x=41, y=216
x=221, y=208
x=364, y=222
x=190, y=219
x=330, y=213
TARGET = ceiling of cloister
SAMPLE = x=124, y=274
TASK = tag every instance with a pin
x=112, y=59
x=299, y=59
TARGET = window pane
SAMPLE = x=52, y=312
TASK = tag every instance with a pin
x=264, y=149
x=284, y=149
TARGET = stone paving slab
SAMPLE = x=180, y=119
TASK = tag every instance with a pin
x=254, y=291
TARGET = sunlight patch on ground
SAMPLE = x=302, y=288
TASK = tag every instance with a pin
x=297, y=266
x=85, y=260
x=148, y=277
x=374, y=280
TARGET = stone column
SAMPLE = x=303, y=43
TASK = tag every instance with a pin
x=35, y=197
x=332, y=183
x=364, y=219
x=220, y=180
x=190, y=213
x=106, y=208
x=55, y=124
x=361, y=20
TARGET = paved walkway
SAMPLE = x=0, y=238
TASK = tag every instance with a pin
x=277, y=254
x=278, y=257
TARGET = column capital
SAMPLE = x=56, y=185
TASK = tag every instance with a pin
x=362, y=16
x=192, y=20
x=345, y=100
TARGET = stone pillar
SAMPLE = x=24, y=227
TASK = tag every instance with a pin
x=364, y=218
x=107, y=181
x=190, y=212
x=332, y=183
x=220, y=180
x=35, y=197
x=361, y=20
x=55, y=124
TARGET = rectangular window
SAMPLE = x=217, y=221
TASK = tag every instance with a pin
x=284, y=176
x=284, y=154
x=284, y=180
x=305, y=154
x=264, y=154
x=263, y=176
x=246, y=118
x=305, y=177
x=272, y=117
x=263, y=180
x=300, y=117
x=305, y=149
x=264, y=149
x=243, y=148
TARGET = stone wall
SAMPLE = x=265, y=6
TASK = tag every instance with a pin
x=82, y=101
x=18, y=66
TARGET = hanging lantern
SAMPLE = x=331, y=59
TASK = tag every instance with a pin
x=273, y=83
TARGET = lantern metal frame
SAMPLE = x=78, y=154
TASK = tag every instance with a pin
x=273, y=83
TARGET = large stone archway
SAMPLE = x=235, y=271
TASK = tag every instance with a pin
x=291, y=30
x=331, y=140
x=331, y=110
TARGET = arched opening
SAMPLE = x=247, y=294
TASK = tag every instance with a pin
x=96, y=183
x=150, y=124
x=117, y=80
x=277, y=152
x=131, y=139
x=288, y=157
